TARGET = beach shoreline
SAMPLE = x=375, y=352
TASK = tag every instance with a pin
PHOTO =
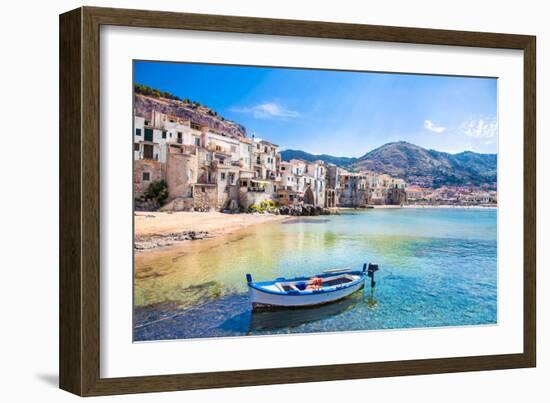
x=158, y=229
x=153, y=230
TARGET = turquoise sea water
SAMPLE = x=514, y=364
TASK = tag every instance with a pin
x=438, y=267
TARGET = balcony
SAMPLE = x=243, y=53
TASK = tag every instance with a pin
x=218, y=149
x=256, y=190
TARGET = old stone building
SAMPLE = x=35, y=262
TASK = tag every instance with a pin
x=145, y=173
x=355, y=191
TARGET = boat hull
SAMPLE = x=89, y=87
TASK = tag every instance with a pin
x=265, y=300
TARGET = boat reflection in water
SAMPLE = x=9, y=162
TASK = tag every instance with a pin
x=288, y=318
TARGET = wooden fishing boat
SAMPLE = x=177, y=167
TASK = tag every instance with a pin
x=324, y=288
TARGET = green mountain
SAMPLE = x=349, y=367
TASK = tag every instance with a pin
x=342, y=162
x=416, y=164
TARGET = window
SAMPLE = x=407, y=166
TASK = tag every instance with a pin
x=148, y=151
x=202, y=189
x=164, y=134
x=222, y=176
x=233, y=149
x=146, y=176
x=190, y=174
x=138, y=132
x=180, y=137
x=148, y=134
x=136, y=146
x=231, y=178
x=197, y=141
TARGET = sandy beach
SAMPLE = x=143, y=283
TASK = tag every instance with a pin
x=153, y=227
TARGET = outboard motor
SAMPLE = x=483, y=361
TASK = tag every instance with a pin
x=370, y=273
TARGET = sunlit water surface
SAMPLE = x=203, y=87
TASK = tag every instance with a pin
x=438, y=267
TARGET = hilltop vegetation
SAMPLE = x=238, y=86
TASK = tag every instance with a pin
x=153, y=92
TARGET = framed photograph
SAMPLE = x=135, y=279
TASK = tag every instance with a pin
x=250, y=201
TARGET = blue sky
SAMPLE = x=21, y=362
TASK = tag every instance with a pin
x=339, y=113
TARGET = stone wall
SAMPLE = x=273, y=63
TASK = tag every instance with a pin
x=180, y=204
x=153, y=168
x=353, y=198
x=181, y=169
x=204, y=197
x=396, y=196
x=231, y=192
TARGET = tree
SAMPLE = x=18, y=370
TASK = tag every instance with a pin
x=157, y=191
x=146, y=90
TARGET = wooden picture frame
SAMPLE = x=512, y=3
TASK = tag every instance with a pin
x=79, y=346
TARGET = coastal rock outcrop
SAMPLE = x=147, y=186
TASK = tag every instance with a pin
x=303, y=210
x=159, y=240
x=146, y=205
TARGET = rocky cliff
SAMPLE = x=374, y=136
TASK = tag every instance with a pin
x=200, y=114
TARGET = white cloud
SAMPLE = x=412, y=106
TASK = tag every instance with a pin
x=481, y=129
x=268, y=110
x=429, y=125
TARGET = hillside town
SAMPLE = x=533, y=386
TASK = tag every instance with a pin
x=207, y=168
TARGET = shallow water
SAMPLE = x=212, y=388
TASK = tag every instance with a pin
x=437, y=268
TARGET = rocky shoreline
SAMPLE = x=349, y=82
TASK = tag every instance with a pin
x=160, y=240
x=303, y=210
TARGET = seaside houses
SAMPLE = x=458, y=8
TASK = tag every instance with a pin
x=206, y=168
x=451, y=195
